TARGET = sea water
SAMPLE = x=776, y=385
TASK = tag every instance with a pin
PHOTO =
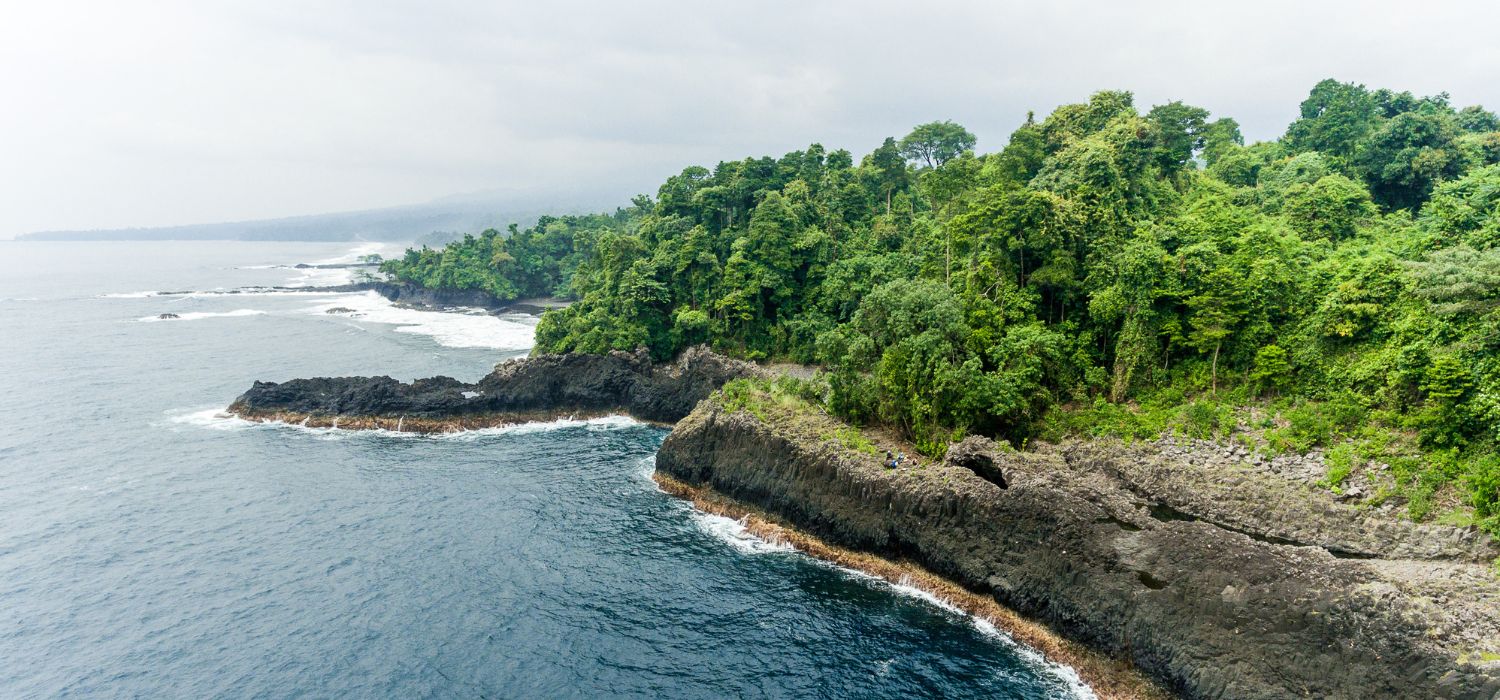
x=152, y=546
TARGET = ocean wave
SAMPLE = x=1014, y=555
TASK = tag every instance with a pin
x=455, y=329
x=359, y=252
x=219, y=419
x=906, y=588
x=197, y=315
x=129, y=295
x=734, y=533
x=321, y=277
x=329, y=277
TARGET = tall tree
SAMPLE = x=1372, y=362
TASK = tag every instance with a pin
x=935, y=143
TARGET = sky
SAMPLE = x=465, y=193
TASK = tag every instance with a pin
x=122, y=113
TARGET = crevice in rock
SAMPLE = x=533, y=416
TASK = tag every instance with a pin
x=1150, y=581
x=1165, y=513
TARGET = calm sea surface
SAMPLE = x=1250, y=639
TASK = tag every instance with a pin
x=151, y=547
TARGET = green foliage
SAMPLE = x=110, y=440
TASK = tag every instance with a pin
x=1113, y=270
x=936, y=143
x=1340, y=461
x=1271, y=370
x=1331, y=208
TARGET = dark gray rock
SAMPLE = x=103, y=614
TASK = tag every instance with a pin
x=977, y=454
x=1209, y=612
x=555, y=384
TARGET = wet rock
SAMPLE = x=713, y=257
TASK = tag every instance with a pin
x=339, y=310
x=167, y=316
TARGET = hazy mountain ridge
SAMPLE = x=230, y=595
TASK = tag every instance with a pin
x=459, y=213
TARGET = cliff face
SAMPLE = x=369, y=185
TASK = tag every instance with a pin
x=1091, y=548
x=545, y=385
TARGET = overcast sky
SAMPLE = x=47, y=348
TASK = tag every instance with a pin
x=119, y=113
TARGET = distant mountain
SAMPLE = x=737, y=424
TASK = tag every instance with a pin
x=468, y=213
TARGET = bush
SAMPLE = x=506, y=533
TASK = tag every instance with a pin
x=1340, y=463
x=1482, y=480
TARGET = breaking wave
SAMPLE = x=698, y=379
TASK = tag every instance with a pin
x=198, y=315
x=455, y=329
x=219, y=419
x=735, y=534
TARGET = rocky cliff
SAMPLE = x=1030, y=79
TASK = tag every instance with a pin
x=525, y=389
x=1218, y=595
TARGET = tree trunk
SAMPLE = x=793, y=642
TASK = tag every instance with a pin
x=947, y=257
x=1214, y=373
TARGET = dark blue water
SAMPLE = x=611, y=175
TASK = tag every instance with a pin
x=149, y=548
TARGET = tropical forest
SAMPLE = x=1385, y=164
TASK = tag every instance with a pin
x=1111, y=270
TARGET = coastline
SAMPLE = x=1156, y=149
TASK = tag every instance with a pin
x=1108, y=678
x=1083, y=545
x=1123, y=562
x=420, y=425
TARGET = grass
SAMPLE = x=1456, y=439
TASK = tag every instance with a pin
x=1429, y=480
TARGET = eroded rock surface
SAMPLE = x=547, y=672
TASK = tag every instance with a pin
x=1079, y=540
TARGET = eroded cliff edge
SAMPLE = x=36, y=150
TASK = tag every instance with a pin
x=1100, y=543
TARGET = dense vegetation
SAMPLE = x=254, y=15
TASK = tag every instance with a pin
x=1107, y=271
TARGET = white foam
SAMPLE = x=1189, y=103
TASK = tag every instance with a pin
x=219, y=419
x=212, y=419
x=197, y=315
x=253, y=292
x=321, y=277
x=462, y=328
x=734, y=533
x=906, y=588
x=358, y=253
x=129, y=295
x=328, y=277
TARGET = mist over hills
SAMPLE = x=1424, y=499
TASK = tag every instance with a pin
x=466, y=213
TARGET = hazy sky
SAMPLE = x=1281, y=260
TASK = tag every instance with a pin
x=119, y=113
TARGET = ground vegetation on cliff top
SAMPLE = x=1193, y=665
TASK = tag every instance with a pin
x=1111, y=269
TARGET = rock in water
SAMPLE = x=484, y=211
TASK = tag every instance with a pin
x=167, y=316
x=556, y=385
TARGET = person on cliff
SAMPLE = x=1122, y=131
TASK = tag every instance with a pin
x=890, y=460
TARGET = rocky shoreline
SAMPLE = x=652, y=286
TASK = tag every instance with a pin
x=1213, y=576
x=1081, y=545
x=517, y=391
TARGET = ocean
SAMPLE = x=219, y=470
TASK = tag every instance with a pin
x=153, y=547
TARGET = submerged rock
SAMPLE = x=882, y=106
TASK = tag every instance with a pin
x=340, y=310
x=167, y=316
